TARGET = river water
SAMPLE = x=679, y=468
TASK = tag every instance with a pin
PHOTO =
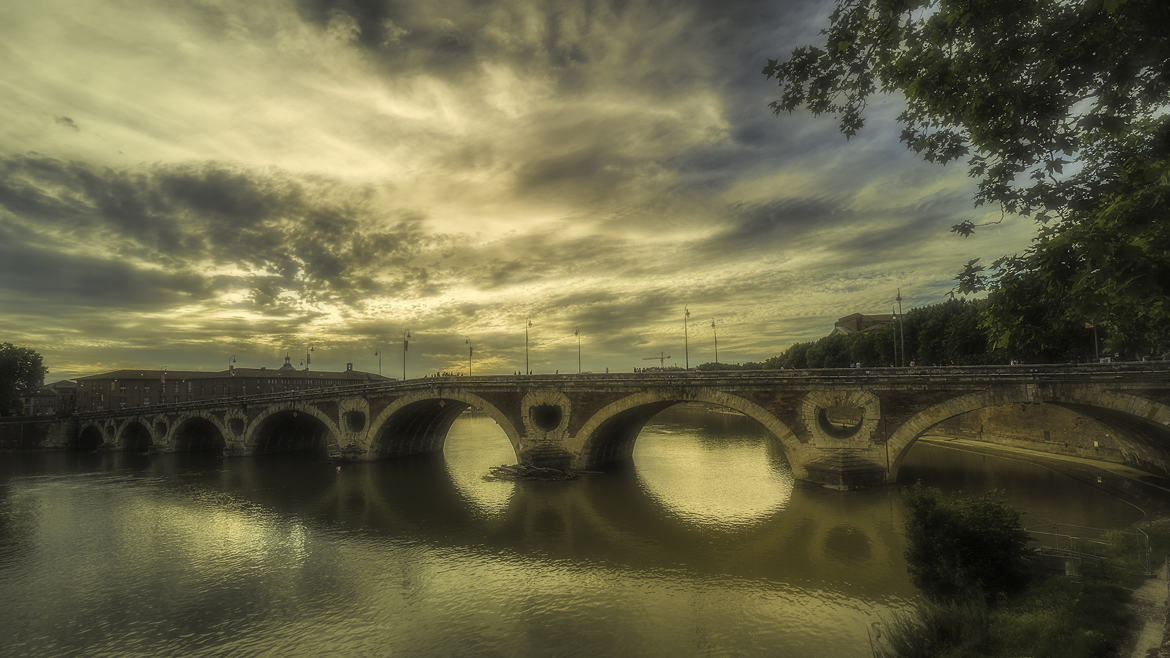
x=704, y=546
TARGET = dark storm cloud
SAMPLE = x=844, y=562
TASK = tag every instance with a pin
x=66, y=122
x=46, y=277
x=295, y=235
x=766, y=225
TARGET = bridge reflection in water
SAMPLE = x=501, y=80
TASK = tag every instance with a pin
x=703, y=545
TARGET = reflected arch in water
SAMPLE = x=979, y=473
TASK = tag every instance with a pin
x=135, y=437
x=293, y=429
x=1143, y=423
x=475, y=443
x=714, y=469
x=608, y=436
x=199, y=434
x=419, y=422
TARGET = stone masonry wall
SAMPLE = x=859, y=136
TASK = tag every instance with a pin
x=1038, y=426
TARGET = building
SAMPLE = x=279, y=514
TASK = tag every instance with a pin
x=122, y=389
x=859, y=323
x=58, y=398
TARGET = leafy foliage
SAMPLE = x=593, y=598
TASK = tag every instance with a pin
x=21, y=373
x=1062, y=111
x=964, y=548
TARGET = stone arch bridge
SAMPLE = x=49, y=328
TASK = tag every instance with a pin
x=840, y=428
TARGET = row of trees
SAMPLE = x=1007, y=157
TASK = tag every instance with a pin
x=955, y=332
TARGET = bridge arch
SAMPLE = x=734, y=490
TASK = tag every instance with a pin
x=1141, y=416
x=199, y=434
x=286, y=428
x=135, y=437
x=89, y=438
x=419, y=422
x=608, y=436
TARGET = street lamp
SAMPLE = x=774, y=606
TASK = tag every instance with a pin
x=901, y=326
x=577, y=333
x=716, y=332
x=379, y=355
x=469, y=350
x=405, y=344
x=527, y=370
x=686, y=340
x=894, y=333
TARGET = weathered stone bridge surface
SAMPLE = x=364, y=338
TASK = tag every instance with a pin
x=840, y=428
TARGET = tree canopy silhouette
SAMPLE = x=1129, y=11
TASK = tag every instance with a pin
x=1061, y=109
x=21, y=373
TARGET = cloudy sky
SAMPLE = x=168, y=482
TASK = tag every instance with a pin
x=183, y=182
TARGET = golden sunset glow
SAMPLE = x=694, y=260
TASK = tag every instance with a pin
x=180, y=182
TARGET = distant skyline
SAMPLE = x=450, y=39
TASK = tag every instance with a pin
x=185, y=182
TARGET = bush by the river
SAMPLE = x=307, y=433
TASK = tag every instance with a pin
x=984, y=596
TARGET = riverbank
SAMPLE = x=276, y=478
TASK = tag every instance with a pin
x=1150, y=600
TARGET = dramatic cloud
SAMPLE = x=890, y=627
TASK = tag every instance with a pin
x=183, y=182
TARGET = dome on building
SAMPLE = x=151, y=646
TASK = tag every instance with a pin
x=287, y=364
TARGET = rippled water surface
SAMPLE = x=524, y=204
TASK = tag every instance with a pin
x=704, y=546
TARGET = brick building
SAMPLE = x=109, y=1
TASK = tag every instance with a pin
x=58, y=398
x=860, y=323
x=121, y=389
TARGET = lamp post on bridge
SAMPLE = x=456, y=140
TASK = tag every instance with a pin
x=716, y=333
x=405, y=344
x=901, y=325
x=894, y=334
x=527, y=324
x=577, y=333
x=686, y=340
x=469, y=350
x=378, y=354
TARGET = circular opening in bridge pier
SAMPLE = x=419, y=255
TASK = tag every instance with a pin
x=546, y=416
x=840, y=422
x=711, y=466
x=89, y=440
x=136, y=439
x=199, y=435
x=160, y=428
x=355, y=421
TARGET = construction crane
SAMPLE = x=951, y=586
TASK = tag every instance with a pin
x=661, y=359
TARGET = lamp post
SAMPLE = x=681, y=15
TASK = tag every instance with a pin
x=231, y=360
x=379, y=355
x=686, y=339
x=577, y=333
x=527, y=324
x=405, y=344
x=901, y=325
x=469, y=350
x=716, y=332
x=894, y=334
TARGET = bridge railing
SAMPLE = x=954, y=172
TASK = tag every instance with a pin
x=1028, y=373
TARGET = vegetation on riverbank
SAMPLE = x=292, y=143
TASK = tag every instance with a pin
x=954, y=332
x=972, y=607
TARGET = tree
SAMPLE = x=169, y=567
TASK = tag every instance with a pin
x=1060, y=108
x=964, y=548
x=21, y=373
